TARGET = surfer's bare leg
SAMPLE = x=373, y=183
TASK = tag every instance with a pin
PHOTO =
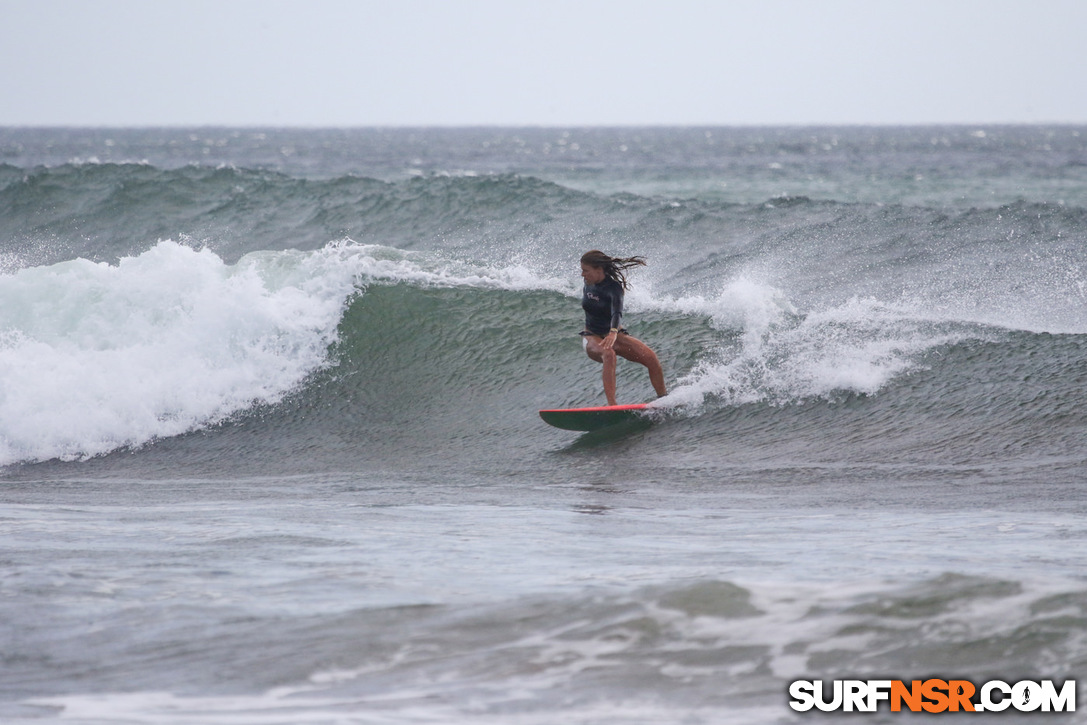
x=637, y=351
x=630, y=348
x=594, y=347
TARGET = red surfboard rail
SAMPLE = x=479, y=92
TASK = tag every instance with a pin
x=593, y=417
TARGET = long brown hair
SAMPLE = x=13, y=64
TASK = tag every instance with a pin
x=613, y=266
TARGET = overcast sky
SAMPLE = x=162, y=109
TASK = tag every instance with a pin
x=541, y=62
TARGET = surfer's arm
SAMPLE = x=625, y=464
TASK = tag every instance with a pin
x=616, y=318
x=616, y=308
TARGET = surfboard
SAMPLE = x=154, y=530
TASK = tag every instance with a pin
x=595, y=418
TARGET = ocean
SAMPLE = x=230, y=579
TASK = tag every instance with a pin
x=270, y=451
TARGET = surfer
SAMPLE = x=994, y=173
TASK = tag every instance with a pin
x=603, y=337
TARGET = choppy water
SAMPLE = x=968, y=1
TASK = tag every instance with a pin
x=271, y=455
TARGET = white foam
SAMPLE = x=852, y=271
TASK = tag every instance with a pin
x=94, y=357
x=783, y=356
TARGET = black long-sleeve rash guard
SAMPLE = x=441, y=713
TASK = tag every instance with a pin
x=603, y=305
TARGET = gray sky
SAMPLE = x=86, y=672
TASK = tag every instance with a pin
x=537, y=62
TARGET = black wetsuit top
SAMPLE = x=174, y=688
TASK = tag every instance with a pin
x=603, y=305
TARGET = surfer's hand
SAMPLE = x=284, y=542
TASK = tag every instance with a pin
x=609, y=340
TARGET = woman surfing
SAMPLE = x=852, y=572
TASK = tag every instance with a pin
x=603, y=337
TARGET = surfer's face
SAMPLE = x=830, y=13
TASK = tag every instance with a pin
x=591, y=274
